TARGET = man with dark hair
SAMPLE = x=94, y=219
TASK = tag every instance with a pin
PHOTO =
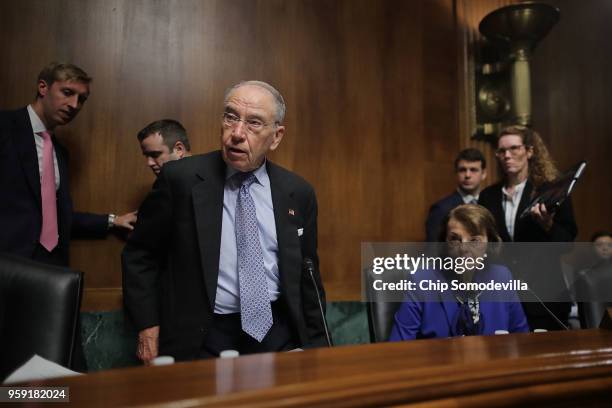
x=470, y=170
x=163, y=141
x=36, y=214
x=235, y=230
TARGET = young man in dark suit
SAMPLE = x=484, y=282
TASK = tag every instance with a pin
x=36, y=214
x=236, y=230
x=163, y=141
x=36, y=210
x=471, y=171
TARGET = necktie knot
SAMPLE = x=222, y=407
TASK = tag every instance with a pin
x=246, y=179
x=45, y=134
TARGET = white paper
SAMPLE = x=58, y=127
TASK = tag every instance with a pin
x=38, y=368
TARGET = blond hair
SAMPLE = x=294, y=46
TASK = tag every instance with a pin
x=61, y=71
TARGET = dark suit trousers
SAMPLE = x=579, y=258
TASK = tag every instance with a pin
x=226, y=334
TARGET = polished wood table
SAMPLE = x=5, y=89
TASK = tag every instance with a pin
x=572, y=368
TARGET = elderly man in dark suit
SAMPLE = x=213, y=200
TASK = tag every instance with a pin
x=235, y=230
x=471, y=171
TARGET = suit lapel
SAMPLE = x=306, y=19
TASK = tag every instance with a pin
x=289, y=250
x=26, y=149
x=499, y=215
x=449, y=304
x=457, y=199
x=525, y=200
x=207, y=196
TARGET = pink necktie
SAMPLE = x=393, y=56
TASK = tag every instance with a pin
x=48, y=234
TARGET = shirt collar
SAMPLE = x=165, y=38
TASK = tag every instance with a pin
x=37, y=124
x=467, y=198
x=261, y=174
x=518, y=189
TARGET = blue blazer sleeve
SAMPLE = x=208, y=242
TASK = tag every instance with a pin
x=407, y=321
x=518, y=320
x=436, y=215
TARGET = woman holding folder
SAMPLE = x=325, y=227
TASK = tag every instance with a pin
x=526, y=167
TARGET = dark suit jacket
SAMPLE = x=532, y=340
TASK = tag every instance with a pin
x=20, y=206
x=181, y=217
x=564, y=228
x=538, y=265
x=437, y=212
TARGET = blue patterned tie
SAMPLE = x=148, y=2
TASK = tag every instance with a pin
x=255, y=308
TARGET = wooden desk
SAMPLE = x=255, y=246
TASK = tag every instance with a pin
x=562, y=369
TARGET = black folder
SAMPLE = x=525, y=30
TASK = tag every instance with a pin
x=552, y=195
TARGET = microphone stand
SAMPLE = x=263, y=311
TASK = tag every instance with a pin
x=309, y=266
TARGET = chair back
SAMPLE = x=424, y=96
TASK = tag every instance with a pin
x=594, y=292
x=380, y=313
x=39, y=311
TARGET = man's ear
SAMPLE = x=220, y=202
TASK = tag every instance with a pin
x=179, y=149
x=278, y=136
x=484, y=175
x=42, y=88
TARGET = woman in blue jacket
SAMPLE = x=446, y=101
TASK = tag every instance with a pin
x=468, y=231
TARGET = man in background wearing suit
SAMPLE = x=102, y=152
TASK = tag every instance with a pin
x=163, y=141
x=36, y=210
x=470, y=168
x=236, y=230
x=36, y=213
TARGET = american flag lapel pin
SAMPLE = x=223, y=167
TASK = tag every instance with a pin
x=291, y=211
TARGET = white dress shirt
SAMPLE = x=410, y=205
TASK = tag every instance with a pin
x=468, y=198
x=228, y=287
x=510, y=204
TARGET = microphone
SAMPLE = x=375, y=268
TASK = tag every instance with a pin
x=309, y=267
x=559, y=322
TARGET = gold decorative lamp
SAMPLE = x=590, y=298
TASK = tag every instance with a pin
x=515, y=31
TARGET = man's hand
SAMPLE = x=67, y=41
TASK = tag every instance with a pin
x=126, y=221
x=542, y=216
x=148, y=342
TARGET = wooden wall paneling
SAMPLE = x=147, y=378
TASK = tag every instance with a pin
x=440, y=100
x=469, y=14
x=369, y=89
x=572, y=89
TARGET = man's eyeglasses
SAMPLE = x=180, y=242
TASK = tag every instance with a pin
x=514, y=150
x=253, y=125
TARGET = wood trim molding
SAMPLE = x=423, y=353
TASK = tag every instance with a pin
x=102, y=299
